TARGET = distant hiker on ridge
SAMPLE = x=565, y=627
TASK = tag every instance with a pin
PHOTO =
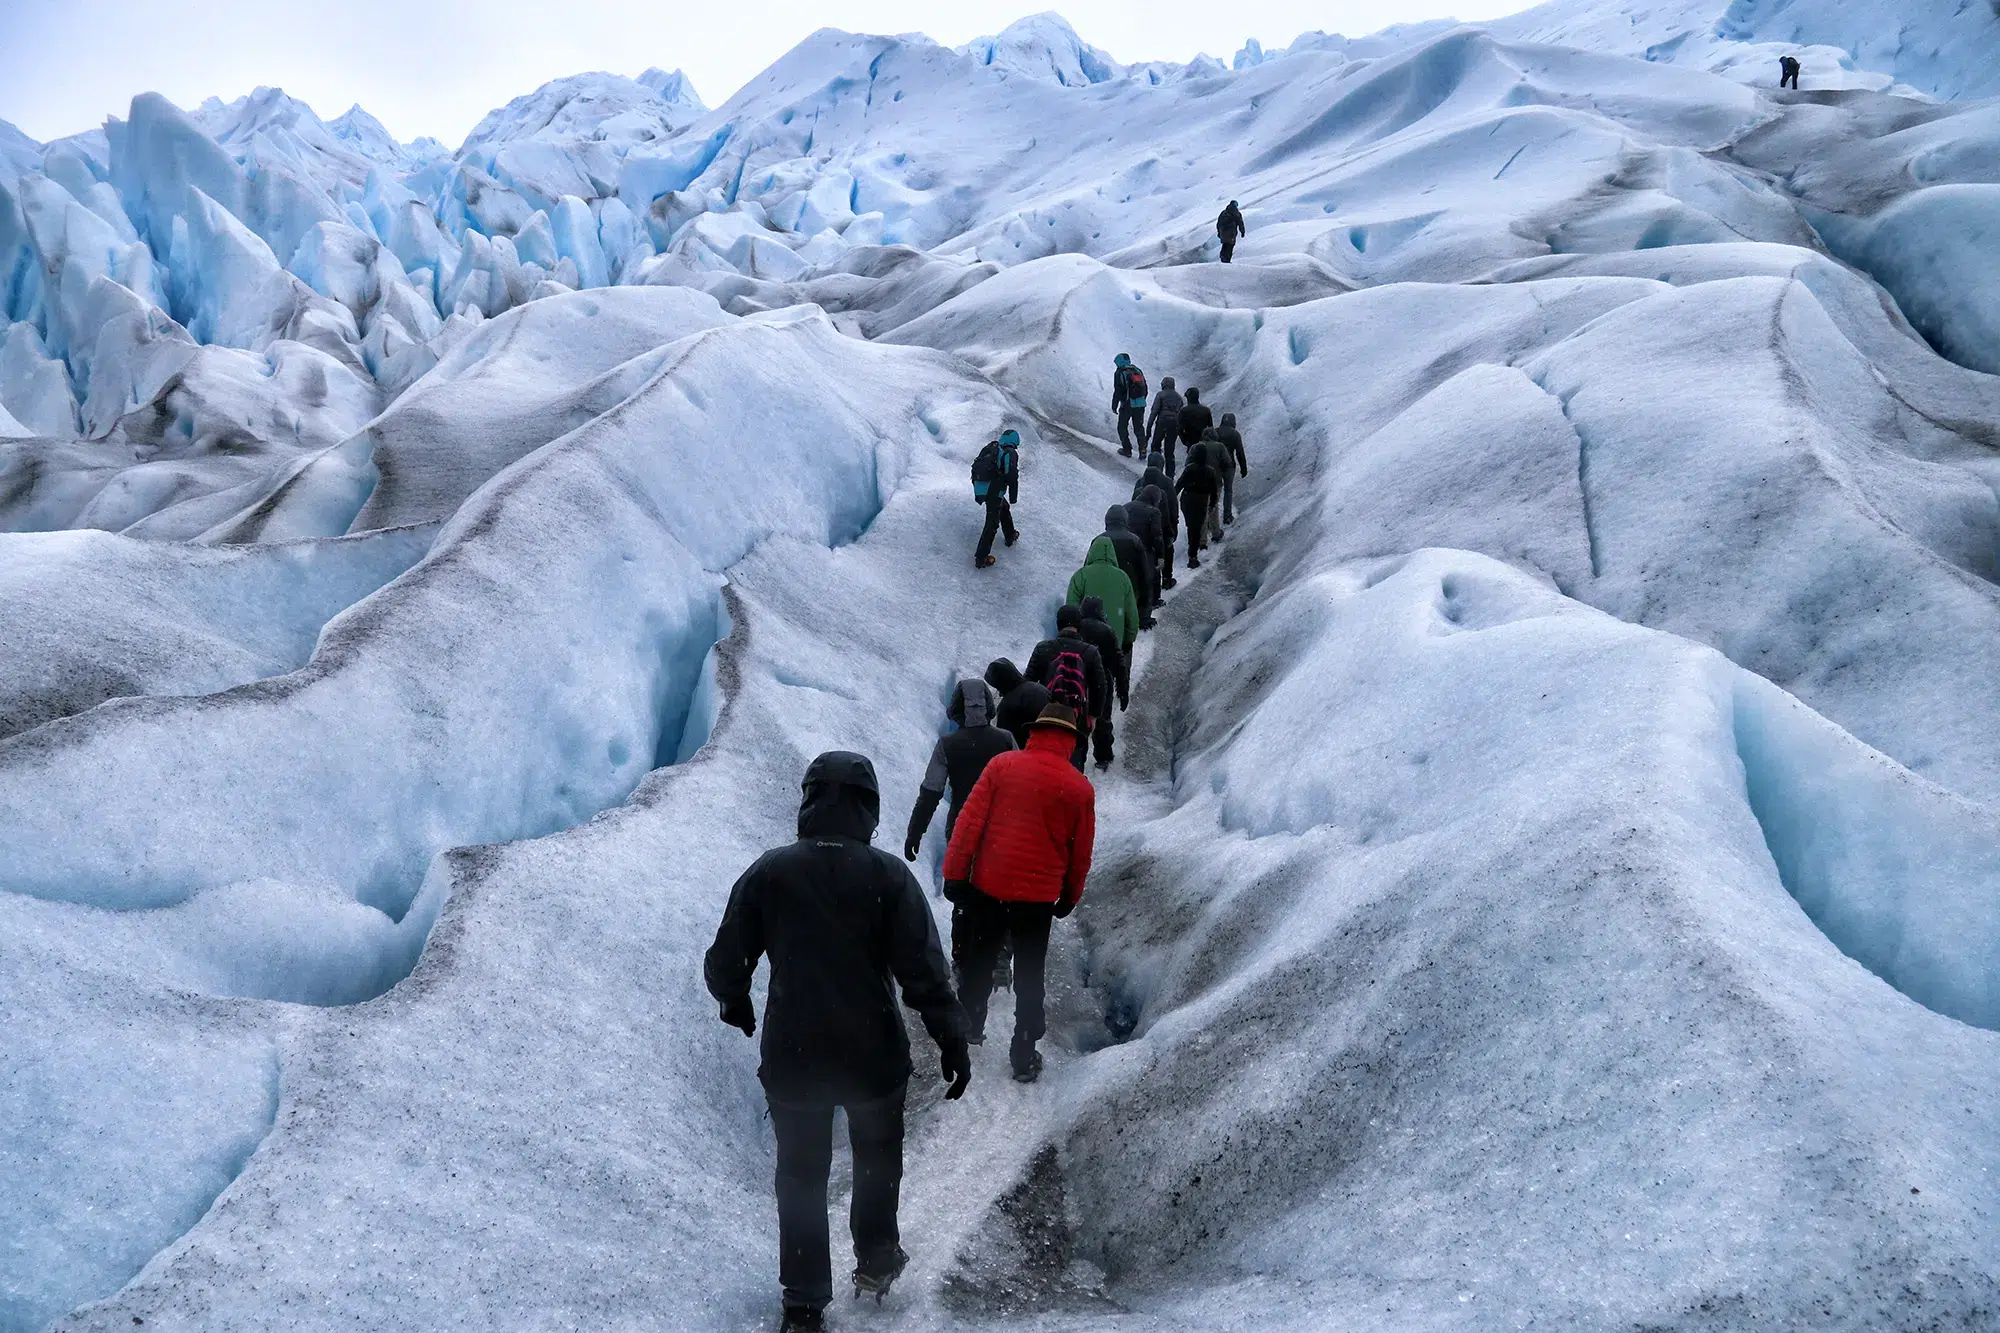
x=1788, y=72
x=996, y=483
x=1128, y=400
x=1229, y=226
x=838, y=919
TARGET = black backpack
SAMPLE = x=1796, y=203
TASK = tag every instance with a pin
x=986, y=470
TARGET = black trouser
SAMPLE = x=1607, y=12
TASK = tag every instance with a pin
x=805, y=1155
x=1166, y=434
x=1228, y=248
x=999, y=515
x=990, y=924
x=1131, y=418
x=1101, y=738
x=1194, y=517
x=1790, y=79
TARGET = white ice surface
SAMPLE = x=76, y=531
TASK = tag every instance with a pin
x=1551, y=873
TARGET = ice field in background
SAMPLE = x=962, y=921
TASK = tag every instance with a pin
x=1551, y=875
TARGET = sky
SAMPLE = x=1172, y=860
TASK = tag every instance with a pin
x=434, y=67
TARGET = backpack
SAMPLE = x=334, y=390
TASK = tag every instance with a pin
x=986, y=470
x=1135, y=385
x=1068, y=685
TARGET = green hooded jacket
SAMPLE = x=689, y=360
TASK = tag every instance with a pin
x=1102, y=577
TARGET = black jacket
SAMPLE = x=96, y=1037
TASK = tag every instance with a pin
x=1102, y=637
x=1143, y=517
x=1044, y=659
x=1133, y=557
x=1232, y=440
x=1195, y=418
x=1021, y=700
x=958, y=759
x=1198, y=485
x=841, y=922
x=1229, y=223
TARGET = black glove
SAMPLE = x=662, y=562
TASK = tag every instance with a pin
x=912, y=844
x=739, y=1014
x=958, y=892
x=1064, y=906
x=957, y=1062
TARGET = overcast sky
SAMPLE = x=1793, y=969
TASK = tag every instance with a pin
x=436, y=66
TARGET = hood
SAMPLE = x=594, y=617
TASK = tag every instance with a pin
x=1003, y=675
x=1208, y=433
x=1115, y=520
x=1010, y=438
x=1102, y=552
x=841, y=799
x=972, y=703
x=1229, y=419
x=1121, y=361
x=1194, y=397
x=1092, y=608
x=1167, y=382
x=1156, y=497
x=1068, y=616
x=1157, y=459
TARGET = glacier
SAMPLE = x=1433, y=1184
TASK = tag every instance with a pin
x=1551, y=876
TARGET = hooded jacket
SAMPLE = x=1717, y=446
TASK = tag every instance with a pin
x=1135, y=560
x=1229, y=223
x=839, y=920
x=1195, y=418
x=1166, y=403
x=1027, y=833
x=1121, y=381
x=1069, y=627
x=958, y=759
x=1142, y=515
x=1102, y=637
x=1232, y=441
x=1021, y=700
x=1209, y=452
x=1103, y=575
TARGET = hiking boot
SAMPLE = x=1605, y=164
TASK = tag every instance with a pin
x=1027, y=1062
x=983, y=561
x=1193, y=563
x=802, y=1319
x=1012, y=537
x=876, y=1279
x=1170, y=582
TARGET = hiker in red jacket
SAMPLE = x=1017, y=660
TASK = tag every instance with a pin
x=1017, y=860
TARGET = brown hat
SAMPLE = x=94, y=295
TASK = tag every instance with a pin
x=1056, y=715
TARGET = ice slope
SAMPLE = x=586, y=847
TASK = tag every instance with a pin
x=1551, y=873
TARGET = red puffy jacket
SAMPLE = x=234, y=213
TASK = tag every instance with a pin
x=1025, y=833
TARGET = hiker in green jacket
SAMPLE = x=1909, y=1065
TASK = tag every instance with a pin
x=1103, y=577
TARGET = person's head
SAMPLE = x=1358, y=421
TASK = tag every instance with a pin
x=1010, y=437
x=1232, y=203
x=1229, y=420
x=1157, y=458
x=1060, y=716
x=1003, y=675
x=1115, y=519
x=1121, y=361
x=1068, y=616
x=1193, y=395
x=1208, y=433
x=1155, y=497
x=972, y=703
x=1166, y=381
x=841, y=797
x=1092, y=608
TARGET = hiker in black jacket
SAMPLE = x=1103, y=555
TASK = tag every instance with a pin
x=1069, y=635
x=1198, y=488
x=1239, y=464
x=1195, y=418
x=1128, y=401
x=958, y=759
x=839, y=920
x=1160, y=499
x=1229, y=226
x=1211, y=453
x=1163, y=427
x=1136, y=562
x=1098, y=632
x=1021, y=700
x=996, y=484
x=1143, y=517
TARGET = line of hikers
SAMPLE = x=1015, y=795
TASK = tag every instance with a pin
x=844, y=923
